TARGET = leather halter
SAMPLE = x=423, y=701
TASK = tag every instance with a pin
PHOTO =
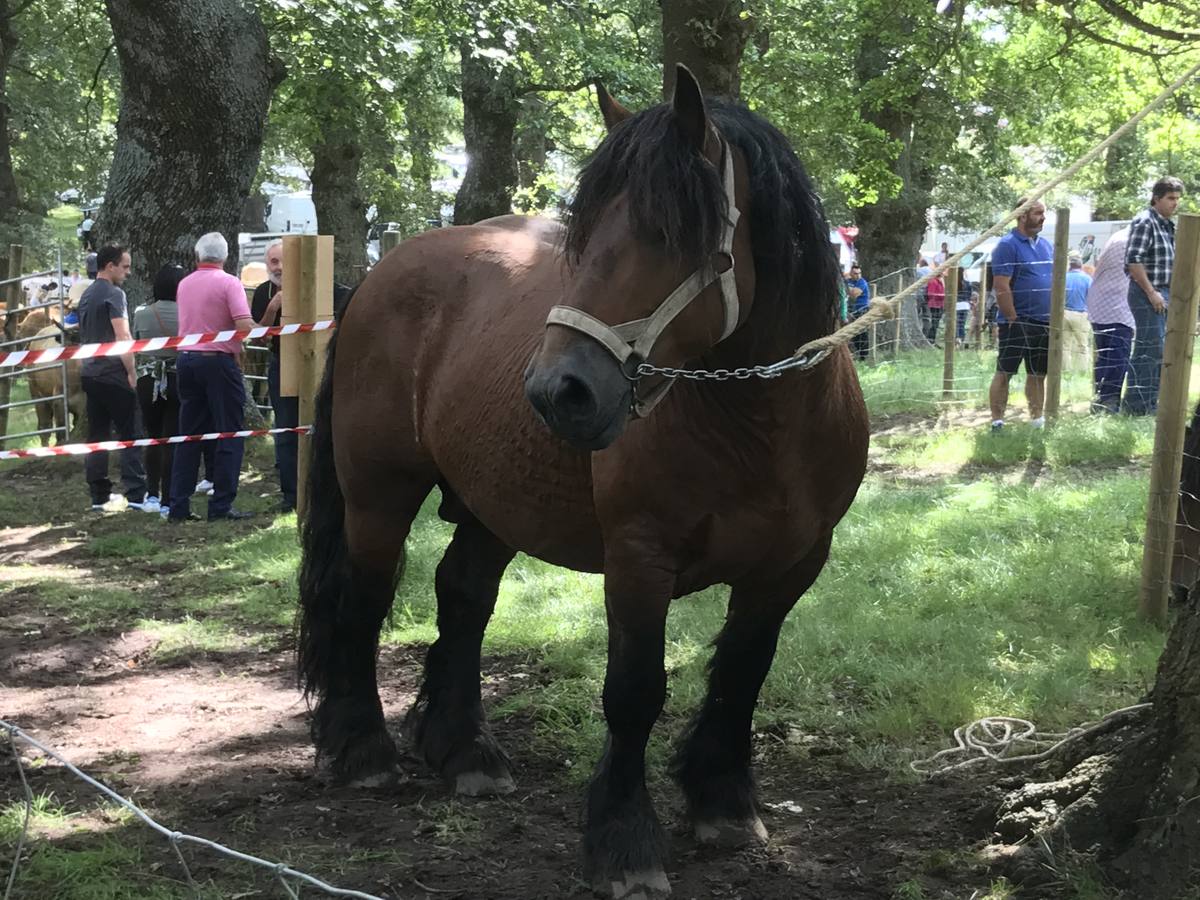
x=631, y=342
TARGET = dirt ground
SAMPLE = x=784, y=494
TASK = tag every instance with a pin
x=218, y=747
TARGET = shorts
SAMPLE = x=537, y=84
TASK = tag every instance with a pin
x=1024, y=339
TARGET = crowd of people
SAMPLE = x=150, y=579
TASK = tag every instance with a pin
x=1116, y=300
x=1123, y=304
x=198, y=389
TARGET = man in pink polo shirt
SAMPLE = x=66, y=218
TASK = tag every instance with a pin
x=212, y=395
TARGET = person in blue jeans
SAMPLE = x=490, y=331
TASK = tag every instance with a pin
x=860, y=293
x=1149, y=259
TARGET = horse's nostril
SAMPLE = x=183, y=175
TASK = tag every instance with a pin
x=573, y=397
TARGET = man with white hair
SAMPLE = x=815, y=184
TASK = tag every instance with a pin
x=265, y=307
x=212, y=395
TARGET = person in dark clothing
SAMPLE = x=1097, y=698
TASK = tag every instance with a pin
x=157, y=387
x=108, y=383
x=265, y=309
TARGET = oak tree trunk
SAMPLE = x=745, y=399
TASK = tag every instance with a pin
x=196, y=83
x=1128, y=796
x=890, y=229
x=490, y=108
x=10, y=200
x=341, y=210
x=707, y=36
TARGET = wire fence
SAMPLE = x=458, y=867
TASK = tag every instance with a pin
x=289, y=879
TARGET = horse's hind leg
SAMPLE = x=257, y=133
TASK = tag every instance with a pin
x=712, y=763
x=447, y=723
x=348, y=724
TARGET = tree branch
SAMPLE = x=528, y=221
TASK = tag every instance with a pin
x=563, y=88
x=1118, y=11
x=87, y=106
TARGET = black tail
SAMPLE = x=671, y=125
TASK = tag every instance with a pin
x=324, y=556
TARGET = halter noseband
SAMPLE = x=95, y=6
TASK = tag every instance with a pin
x=631, y=342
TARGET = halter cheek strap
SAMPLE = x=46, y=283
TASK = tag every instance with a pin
x=632, y=342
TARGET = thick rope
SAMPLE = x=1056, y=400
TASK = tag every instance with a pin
x=888, y=307
x=993, y=738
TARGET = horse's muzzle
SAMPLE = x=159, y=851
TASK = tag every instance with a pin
x=580, y=394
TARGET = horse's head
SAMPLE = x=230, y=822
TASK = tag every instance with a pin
x=661, y=266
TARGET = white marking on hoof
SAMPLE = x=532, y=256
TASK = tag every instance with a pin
x=477, y=784
x=645, y=885
x=378, y=780
x=731, y=833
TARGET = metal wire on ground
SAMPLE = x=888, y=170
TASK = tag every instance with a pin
x=282, y=873
x=993, y=738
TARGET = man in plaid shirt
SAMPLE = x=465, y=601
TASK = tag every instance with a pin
x=1149, y=258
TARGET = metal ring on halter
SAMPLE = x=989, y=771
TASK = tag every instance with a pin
x=631, y=364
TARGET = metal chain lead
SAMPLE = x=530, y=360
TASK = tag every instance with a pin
x=774, y=370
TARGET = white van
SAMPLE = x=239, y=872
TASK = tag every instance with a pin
x=291, y=214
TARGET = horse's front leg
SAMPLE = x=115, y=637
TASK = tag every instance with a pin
x=624, y=845
x=712, y=762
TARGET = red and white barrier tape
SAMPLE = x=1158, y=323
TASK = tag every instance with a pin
x=98, y=446
x=183, y=341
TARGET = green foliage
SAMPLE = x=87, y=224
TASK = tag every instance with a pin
x=62, y=90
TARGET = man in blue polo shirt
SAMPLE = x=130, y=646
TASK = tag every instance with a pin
x=859, y=293
x=1021, y=268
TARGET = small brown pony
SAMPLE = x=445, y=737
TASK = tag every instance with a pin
x=460, y=364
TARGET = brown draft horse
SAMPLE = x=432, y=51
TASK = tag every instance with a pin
x=446, y=374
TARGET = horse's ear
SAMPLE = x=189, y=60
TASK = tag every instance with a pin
x=612, y=111
x=688, y=103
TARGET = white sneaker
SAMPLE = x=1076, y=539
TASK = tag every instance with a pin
x=164, y=511
x=150, y=505
x=205, y=487
x=112, y=504
x=1039, y=422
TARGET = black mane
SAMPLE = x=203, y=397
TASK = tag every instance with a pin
x=676, y=196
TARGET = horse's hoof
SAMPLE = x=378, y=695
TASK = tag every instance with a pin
x=480, y=784
x=731, y=833
x=650, y=884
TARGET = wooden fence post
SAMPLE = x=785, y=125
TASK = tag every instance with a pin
x=950, y=334
x=389, y=241
x=308, y=297
x=978, y=319
x=1167, y=463
x=12, y=299
x=894, y=324
x=1058, y=312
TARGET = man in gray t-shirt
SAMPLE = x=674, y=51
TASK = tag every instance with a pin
x=100, y=304
x=108, y=383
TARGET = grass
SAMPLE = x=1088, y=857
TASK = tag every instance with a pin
x=912, y=383
x=1073, y=441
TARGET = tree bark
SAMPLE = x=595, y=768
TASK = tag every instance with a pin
x=707, y=36
x=341, y=210
x=890, y=230
x=490, y=109
x=196, y=83
x=10, y=199
x=1129, y=796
